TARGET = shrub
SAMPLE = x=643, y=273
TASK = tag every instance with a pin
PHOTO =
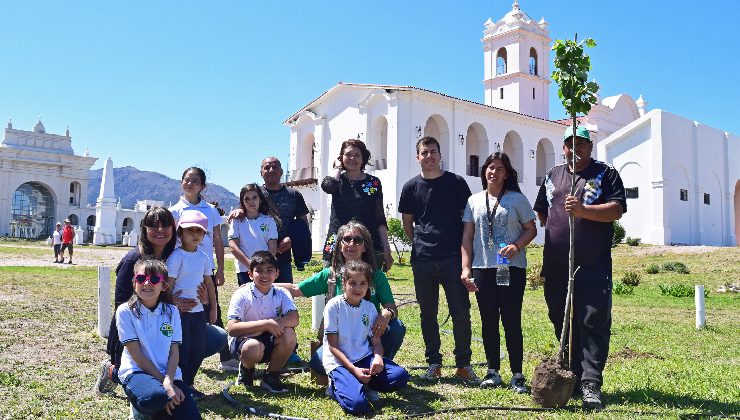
x=652, y=269
x=623, y=289
x=631, y=278
x=397, y=236
x=632, y=241
x=679, y=290
x=534, y=281
x=676, y=266
x=618, y=233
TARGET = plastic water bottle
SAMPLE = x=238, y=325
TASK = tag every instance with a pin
x=502, y=273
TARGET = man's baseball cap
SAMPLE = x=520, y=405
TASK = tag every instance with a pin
x=581, y=132
x=67, y=221
x=59, y=224
x=193, y=218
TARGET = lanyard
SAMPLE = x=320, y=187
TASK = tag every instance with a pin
x=490, y=215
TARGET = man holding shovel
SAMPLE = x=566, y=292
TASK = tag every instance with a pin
x=599, y=200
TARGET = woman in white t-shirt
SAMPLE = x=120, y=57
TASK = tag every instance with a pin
x=258, y=231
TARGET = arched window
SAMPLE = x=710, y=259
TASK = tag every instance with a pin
x=533, y=62
x=501, y=61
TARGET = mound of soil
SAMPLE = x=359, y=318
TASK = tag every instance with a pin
x=552, y=386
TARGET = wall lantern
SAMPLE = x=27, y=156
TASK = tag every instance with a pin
x=497, y=146
x=531, y=154
x=418, y=131
x=461, y=138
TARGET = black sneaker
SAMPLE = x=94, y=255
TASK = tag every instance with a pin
x=591, y=396
x=246, y=376
x=272, y=383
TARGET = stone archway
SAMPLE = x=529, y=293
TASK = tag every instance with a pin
x=32, y=211
x=514, y=148
x=437, y=127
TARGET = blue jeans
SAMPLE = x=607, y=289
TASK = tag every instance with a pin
x=216, y=338
x=193, y=347
x=148, y=396
x=349, y=391
x=391, y=340
x=428, y=275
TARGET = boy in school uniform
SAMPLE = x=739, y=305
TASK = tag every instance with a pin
x=261, y=322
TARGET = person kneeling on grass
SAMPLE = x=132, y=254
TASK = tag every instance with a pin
x=261, y=324
x=149, y=328
x=354, y=360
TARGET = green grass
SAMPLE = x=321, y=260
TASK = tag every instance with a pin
x=659, y=364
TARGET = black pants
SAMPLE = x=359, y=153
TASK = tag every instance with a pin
x=592, y=319
x=428, y=275
x=506, y=302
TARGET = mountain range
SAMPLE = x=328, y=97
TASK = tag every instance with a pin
x=131, y=184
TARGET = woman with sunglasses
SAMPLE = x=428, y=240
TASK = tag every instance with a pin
x=156, y=240
x=358, y=196
x=354, y=243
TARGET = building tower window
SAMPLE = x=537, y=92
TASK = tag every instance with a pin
x=706, y=199
x=501, y=61
x=533, y=62
x=532, y=93
x=501, y=93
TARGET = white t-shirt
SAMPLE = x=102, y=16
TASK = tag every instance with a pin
x=353, y=325
x=188, y=268
x=214, y=219
x=57, y=237
x=155, y=330
x=253, y=235
x=249, y=304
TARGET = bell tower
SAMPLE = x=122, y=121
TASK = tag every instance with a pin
x=516, y=53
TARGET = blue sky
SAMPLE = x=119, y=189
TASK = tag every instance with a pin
x=162, y=85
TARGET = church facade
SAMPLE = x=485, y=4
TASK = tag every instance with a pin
x=514, y=118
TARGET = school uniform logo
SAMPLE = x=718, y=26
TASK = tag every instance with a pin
x=365, y=320
x=264, y=227
x=166, y=329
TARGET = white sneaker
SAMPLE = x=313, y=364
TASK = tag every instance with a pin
x=491, y=380
x=230, y=365
x=517, y=384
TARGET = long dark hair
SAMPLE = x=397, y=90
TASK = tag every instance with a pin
x=358, y=144
x=510, y=183
x=154, y=217
x=201, y=174
x=265, y=207
x=152, y=266
x=368, y=256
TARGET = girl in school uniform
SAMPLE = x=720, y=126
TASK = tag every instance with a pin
x=149, y=329
x=353, y=355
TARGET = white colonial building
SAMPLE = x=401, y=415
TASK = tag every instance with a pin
x=515, y=119
x=42, y=181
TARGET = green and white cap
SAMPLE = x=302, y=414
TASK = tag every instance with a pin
x=581, y=132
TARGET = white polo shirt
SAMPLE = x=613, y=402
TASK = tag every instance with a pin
x=352, y=325
x=155, y=330
x=249, y=304
x=188, y=269
x=253, y=235
x=214, y=219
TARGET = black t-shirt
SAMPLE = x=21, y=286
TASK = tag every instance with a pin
x=290, y=205
x=599, y=183
x=360, y=200
x=437, y=206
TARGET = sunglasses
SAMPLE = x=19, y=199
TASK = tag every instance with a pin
x=357, y=240
x=151, y=278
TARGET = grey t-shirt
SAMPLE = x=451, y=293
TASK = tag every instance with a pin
x=513, y=211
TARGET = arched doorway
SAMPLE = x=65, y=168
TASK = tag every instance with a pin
x=513, y=147
x=73, y=219
x=32, y=211
x=128, y=225
x=545, y=159
x=476, y=148
x=75, y=192
x=378, y=144
x=436, y=127
x=90, y=228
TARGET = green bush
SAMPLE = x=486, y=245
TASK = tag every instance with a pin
x=676, y=266
x=652, y=269
x=623, y=289
x=632, y=241
x=631, y=278
x=618, y=233
x=679, y=290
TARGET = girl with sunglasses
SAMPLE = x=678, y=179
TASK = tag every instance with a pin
x=149, y=328
x=354, y=243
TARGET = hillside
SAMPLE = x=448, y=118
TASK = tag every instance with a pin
x=132, y=184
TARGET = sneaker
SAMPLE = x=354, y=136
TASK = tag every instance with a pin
x=517, y=384
x=491, y=380
x=197, y=395
x=69, y=262
x=327, y=391
x=272, y=383
x=591, y=396
x=105, y=383
x=467, y=374
x=246, y=376
x=295, y=358
x=230, y=365
x=433, y=373
x=371, y=394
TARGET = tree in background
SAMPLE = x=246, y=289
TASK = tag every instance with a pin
x=397, y=236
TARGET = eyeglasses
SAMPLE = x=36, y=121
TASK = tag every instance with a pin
x=151, y=278
x=357, y=240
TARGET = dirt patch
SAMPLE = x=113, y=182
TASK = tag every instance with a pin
x=627, y=354
x=552, y=386
x=83, y=256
